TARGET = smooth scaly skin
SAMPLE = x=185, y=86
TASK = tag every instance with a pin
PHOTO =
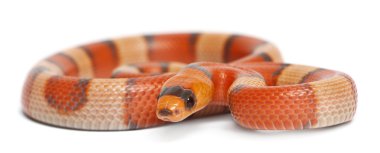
x=73, y=88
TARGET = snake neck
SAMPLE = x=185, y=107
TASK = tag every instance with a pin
x=198, y=85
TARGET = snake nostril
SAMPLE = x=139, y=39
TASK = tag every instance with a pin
x=165, y=112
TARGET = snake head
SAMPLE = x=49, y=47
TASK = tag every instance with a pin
x=183, y=95
x=175, y=103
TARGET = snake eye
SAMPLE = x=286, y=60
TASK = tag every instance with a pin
x=189, y=102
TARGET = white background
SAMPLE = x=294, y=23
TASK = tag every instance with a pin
x=341, y=35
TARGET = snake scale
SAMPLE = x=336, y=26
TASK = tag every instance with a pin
x=148, y=80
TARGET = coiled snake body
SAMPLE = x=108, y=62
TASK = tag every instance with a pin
x=144, y=81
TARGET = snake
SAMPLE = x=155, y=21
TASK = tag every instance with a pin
x=144, y=81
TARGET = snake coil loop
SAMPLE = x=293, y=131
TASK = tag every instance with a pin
x=145, y=81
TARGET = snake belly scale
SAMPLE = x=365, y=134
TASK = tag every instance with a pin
x=145, y=81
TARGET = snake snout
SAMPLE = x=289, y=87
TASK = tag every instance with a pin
x=170, y=108
x=171, y=114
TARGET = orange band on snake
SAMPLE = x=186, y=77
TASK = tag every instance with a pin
x=145, y=81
